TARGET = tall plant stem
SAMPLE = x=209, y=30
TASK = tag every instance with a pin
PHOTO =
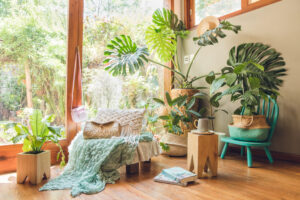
x=175, y=64
x=169, y=68
x=212, y=120
x=177, y=60
x=191, y=64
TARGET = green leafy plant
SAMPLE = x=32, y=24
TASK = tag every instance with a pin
x=37, y=133
x=212, y=108
x=179, y=110
x=161, y=37
x=254, y=71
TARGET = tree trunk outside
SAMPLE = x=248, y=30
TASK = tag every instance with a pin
x=28, y=86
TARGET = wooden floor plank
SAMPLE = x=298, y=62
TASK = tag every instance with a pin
x=234, y=181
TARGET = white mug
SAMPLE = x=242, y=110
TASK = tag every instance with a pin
x=201, y=124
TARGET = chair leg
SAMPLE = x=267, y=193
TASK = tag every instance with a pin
x=224, y=150
x=249, y=157
x=242, y=150
x=269, y=155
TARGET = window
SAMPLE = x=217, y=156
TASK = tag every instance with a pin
x=51, y=42
x=103, y=22
x=196, y=10
x=33, y=60
x=217, y=8
x=33, y=50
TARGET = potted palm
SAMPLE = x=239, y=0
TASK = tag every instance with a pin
x=178, y=114
x=254, y=71
x=34, y=162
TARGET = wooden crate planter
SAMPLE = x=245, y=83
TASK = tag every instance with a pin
x=33, y=167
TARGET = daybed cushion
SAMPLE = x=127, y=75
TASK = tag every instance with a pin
x=131, y=120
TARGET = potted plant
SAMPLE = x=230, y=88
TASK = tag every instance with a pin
x=178, y=114
x=254, y=71
x=124, y=56
x=34, y=162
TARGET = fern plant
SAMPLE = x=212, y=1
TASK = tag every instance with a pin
x=123, y=55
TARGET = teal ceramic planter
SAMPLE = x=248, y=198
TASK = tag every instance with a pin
x=249, y=135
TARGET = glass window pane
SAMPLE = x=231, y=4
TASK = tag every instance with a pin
x=33, y=49
x=217, y=8
x=104, y=20
x=253, y=1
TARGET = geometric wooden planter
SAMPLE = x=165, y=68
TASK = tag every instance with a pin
x=33, y=167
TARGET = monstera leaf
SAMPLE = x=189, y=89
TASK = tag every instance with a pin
x=263, y=55
x=161, y=41
x=161, y=36
x=210, y=37
x=124, y=56
x=167, y=18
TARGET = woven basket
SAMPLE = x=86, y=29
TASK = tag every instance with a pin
x=177, y=144
x=250, y=122
x=249, y=128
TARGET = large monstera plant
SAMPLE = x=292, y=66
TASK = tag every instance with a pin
x=254, y=71
x=124, y=56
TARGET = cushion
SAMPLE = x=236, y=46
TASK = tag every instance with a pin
x=94, y=130
x=130, y=120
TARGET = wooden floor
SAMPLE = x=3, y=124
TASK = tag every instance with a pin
x=235, y=181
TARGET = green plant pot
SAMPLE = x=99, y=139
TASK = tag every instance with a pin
x=249, y=135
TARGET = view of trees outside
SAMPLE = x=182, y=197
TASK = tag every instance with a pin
x=33, y=50
x=104, y=20
x=33, y=47
x=215, y=8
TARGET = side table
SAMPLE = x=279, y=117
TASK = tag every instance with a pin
x=202, y=154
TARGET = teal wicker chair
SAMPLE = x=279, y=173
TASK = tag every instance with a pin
x=271, y=112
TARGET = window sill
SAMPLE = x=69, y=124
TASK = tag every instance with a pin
x=8, y=155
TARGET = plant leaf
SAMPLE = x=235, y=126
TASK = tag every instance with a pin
x=123, y=55
x=230, y=78
x=216, y=84
x=35, y=121
x=159, y=101
x=169, y=100
x=191, y=103
x=254, y=82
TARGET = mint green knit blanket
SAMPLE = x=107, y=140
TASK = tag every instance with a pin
x=93, y=163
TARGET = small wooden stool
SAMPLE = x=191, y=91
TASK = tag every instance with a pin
x=203, y=154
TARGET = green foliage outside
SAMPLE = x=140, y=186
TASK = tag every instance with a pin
x=33, y=37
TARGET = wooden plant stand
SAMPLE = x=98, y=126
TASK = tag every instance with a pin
x=202, y=154
x=33, y=166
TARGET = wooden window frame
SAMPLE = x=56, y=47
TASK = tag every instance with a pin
x=189, y=10
x=8, y=153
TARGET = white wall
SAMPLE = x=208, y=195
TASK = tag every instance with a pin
x=278, y=25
